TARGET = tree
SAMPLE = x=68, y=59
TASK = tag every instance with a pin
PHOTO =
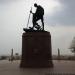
x=17, y=57
x=72, y=47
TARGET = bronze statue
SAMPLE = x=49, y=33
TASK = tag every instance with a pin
x=38, y=15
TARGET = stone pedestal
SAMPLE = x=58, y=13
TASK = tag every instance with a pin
x=36, y=50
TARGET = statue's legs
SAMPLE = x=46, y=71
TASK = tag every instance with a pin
x=36, y=18
x=42, y=20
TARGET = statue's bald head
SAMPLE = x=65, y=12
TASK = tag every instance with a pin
x=35, y=4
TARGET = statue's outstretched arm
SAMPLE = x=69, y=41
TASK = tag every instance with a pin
x=31, y=12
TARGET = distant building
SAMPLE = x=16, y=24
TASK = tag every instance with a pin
x=58, y=54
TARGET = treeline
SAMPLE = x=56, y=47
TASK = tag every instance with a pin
x=62, y=57
x=9, y=57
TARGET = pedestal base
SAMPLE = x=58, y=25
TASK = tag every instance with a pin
x=36, y=50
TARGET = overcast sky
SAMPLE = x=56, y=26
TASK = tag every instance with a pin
x=59, y=20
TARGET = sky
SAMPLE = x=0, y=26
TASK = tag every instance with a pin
x=59, y=20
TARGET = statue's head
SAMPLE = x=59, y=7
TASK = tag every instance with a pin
x=35, y=4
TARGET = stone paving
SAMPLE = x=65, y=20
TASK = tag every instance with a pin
x=60, y=68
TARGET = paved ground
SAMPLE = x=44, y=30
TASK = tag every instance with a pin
x=60, y=68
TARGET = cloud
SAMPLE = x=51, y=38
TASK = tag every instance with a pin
x=65, y=16
x=14, y=16
x=61, y=37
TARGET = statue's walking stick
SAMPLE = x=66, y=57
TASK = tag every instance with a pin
x=29, y=17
